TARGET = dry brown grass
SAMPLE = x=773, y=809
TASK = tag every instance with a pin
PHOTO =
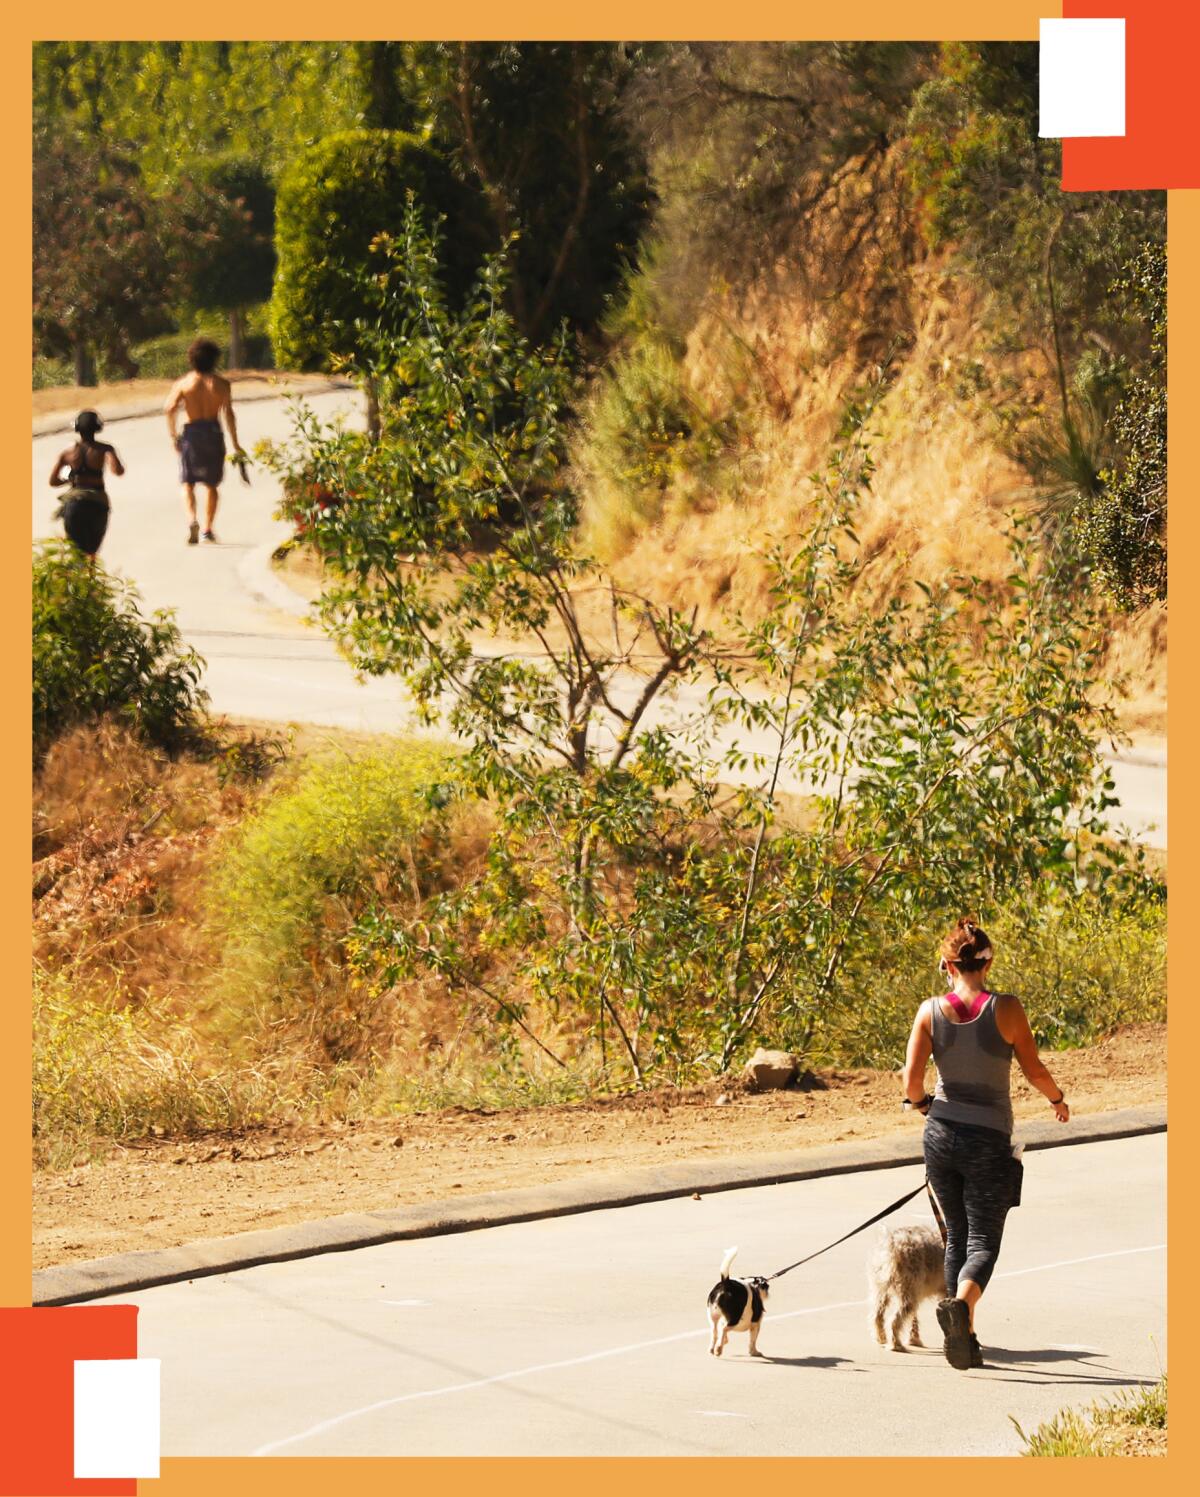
x=142, y=1018
x=942, y=492
x=941, y=489
x=122, y=837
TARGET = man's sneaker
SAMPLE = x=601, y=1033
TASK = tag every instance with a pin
x=210, y=538
x=976, y=1351
x=193, y=533
x=955, y=1321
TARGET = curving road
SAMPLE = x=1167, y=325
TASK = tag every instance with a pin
x=264, y=661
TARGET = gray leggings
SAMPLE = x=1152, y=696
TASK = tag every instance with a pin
x=971, y=1172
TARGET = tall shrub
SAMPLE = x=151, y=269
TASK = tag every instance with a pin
x=238, y=270
x=333, y=202
x=349, y=835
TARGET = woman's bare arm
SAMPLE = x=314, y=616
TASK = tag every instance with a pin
x=115, y=463
x=56, y=478
x=920, y=1048
x=1013, y=1025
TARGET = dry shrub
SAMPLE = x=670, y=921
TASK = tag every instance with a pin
x=942, y=487
x=122, y=839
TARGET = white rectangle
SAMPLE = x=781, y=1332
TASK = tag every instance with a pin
x=1081, y=77
x=117, y=1417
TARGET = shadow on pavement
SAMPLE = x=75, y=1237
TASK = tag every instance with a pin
x=1042, y=1354
x=809, y=1362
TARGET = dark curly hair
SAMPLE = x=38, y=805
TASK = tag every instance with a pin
x=203, y=355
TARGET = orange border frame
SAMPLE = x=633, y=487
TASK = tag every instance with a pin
x=532, y=19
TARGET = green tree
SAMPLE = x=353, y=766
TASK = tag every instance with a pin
x=776, y=160
x=644, y=888
x=1123, y=522
x=334, y=202
x=175, y=105
x=102, y=260
x=388, y=102
x=538, y=127
x=988, y=185
x=1060, y=267
x=111, y=260
x=238, y=269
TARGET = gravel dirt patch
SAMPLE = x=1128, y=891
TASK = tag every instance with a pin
x=162, y=1192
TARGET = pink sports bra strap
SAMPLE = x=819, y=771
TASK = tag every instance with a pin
x=967, y=1012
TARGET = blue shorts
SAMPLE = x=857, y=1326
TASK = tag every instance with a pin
x=202, y=453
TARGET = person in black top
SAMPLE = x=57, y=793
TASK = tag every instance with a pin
x=84, y=507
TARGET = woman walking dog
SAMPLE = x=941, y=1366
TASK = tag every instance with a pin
x=972, y=1035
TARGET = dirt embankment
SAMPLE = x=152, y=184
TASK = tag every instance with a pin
x=162, y=1191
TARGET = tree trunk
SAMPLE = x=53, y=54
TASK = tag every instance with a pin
x=85, y=370
x=237, y=350
x=119, y=358
x=371, y=390
x=387, y=108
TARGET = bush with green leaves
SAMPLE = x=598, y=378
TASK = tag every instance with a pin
x=1124, y=524
x=333, y=201
x=239, y=268
x=1080, y=969
x=95, y=653
x=986, y=184
x=643, y=890
x=350, y=833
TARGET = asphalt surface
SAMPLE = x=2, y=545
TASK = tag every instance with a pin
x=265, y=663
x=586, y=1335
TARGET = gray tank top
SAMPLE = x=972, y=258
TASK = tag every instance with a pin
x=974, y=1062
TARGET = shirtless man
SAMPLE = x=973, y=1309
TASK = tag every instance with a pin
x=205, y=397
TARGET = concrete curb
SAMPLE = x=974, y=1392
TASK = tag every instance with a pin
x=127, y=1273
x=258, y=576
x=1146, y=758
x=63, y=421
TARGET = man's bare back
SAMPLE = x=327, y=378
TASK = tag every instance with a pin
x=204, y=397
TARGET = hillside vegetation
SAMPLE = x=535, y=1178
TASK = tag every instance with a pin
x=764, y=489
x=912, y=240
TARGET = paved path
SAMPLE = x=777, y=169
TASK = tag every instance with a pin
x=264, y=662
x=585, y=1335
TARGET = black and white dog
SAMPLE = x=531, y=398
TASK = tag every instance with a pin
x=736, y=1305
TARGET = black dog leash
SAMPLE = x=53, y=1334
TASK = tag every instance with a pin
x=878, y=1217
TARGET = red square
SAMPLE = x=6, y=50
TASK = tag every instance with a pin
x=1158, y=149
x=40, y=1349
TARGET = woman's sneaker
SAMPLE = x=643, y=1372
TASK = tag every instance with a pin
x=955, y=1321
x=976, y=1351
x=193, y=534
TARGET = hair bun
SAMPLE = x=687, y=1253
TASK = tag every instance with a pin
x=967, y=946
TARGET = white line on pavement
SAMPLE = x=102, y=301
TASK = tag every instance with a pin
x=1015, y=1273
x=618, y=1351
